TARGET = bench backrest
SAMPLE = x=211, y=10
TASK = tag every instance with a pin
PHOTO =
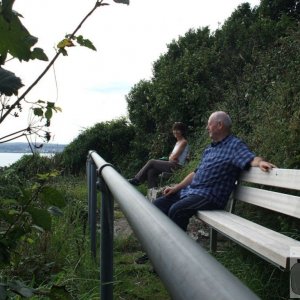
x=284, y=201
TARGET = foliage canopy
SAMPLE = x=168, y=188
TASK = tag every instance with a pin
x=248, y=67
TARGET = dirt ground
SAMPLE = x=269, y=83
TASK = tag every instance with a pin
x=197, y=230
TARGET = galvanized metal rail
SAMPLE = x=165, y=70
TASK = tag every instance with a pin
x=187, y=270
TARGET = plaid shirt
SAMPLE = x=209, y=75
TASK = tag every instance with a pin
x=216, y=175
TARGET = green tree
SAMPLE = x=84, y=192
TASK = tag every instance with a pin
x=111, y=139
x=275, y=9
x=182, y=80
x=140, y=103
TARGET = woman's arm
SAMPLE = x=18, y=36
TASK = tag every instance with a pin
x=175, y=154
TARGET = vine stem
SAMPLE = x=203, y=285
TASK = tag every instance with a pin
x=16, y=103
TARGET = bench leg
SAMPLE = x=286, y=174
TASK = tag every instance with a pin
x=295, y=274
x=213, y=239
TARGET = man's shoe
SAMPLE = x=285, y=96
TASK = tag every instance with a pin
x=134, y=181
x=142, y=260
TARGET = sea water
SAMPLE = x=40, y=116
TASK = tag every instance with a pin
x=6, y=158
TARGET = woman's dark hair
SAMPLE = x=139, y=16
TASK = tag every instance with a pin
x=180, y=126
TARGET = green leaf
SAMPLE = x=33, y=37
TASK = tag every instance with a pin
x=51, y=196
x=9, y=202
x=59, y=292
x=85, y=42
x=15, y=38
x=9, y=83
x=29, y=241
x=63, y=51
x=13, y=212
x=38, y=111
x=39, y=53
x=3, y=294
x=122, y=1
x=48, y=113
x=26, y=196
x=11, y=240
x=55, y=211
x=15, y=234
x=21, y=289
x=43, y=177
x=25, y=292
x=53, y=107
x=50, y=105
x=7, y=217
x=7, y=9
x=3, y=59
x=40, y=217
x=57, y=108
x=4, y=253
x=38, y=228
x=65, y=43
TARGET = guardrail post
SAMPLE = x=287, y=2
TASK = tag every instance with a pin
x=106, y=245
x=92, y=203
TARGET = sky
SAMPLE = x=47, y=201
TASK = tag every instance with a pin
x=90, y=86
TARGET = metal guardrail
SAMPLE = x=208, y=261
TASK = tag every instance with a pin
x=186, y=270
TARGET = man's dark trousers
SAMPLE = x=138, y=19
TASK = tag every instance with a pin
x=180, y=210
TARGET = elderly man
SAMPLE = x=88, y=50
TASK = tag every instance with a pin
x=210, y=185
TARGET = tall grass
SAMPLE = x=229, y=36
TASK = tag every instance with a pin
x=59, y=264
x=264, y=279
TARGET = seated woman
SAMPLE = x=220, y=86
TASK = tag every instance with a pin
x=177, y=159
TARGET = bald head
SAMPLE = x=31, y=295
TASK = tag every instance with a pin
x=223, y=117
x=219, y=125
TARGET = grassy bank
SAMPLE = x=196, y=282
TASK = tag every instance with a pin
x=57, y=264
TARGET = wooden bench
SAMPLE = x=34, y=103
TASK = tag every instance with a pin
x=257, y=188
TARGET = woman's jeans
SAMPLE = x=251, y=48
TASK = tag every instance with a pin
x=152, y=169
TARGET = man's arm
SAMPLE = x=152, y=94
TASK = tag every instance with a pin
x=184, y=183
x=262, y=164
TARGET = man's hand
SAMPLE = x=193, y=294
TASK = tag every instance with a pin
x=170, y=190
x=265, y=166
x=262, y=164
x=176, y=188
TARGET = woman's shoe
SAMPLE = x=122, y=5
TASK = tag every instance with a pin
x=134, y=181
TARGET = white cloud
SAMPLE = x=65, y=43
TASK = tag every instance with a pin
x=91, y=86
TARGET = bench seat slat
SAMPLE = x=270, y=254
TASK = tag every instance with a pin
x=285, y=178
x=272, y=245
x=283, y=203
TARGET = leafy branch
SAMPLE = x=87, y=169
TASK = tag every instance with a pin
x=11, y=84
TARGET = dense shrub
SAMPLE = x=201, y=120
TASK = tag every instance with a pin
x=248, y=67
x=112, y=140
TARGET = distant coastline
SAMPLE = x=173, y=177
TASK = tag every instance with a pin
x=19, y=147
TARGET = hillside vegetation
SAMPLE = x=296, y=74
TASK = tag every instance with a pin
x=249, y=67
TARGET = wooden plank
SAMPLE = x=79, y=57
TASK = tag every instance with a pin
x=283, y=203
x=285, y=178
x=271, y=245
